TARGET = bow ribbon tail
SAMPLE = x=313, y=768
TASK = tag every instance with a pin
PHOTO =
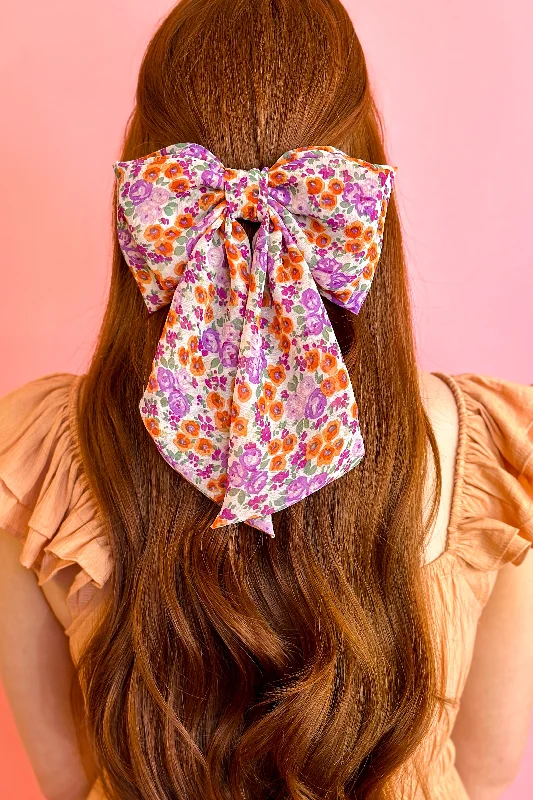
x=248, y=455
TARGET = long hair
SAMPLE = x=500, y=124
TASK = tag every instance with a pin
x=229, y=665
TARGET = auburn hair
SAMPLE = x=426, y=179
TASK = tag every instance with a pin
x=227, y=664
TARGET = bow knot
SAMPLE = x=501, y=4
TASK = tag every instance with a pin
x=246, y=193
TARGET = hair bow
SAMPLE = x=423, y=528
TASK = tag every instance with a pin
x=248, y=397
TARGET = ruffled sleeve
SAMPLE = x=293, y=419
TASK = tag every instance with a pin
x=492, y=511
x=44, y=498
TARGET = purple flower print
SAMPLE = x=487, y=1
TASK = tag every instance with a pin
x=281, y=194
x=165, y=379
x=254, y=367
x=255, y=482
x=317, y=481
x=365, y=204
x=251, y=457
x=140, y=191
x=124, y=237
x=313, y=325
x=229, y=353
x=212, y=178
x=315, y=405
x=296, y=489
x=237, y=474
x=311, y=299
x=160, y=196
x=296, y=402
x=147, y=213
x=356, y=301
x=135, y=258
x=178, y=403
x=210, y=340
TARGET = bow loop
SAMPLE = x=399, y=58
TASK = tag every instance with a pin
x=248, y=397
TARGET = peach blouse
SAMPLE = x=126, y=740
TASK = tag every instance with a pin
x=45, y=502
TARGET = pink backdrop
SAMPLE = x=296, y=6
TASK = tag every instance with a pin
x=452, y=79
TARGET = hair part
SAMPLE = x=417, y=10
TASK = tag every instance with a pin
x=229, y=665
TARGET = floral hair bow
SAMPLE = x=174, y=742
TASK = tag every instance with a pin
x=249, y=398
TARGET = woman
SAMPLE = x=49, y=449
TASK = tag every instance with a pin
x=216, y=662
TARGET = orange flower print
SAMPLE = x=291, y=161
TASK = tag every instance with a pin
x=151, y=173
x=338, y=444
x=381, y=226
x=326, y=455
x=153, y=385
x=182, y=442
x=313, y=446
x=240, y=426
x=172, y=318
x=233, y=253
x=215, y=401
x=262, y=405
x=172, y=234
x=277, y=463
x=275, y=327
x=295, y=272
x=222, y=420
x=200, y=294
x=235, y=412
x=143, y=275
x=190, y=427
x=153, y=233
x=309, y=235
x=368, y=235
x=332, y=429
x=295, y=254
x=192, y=344
x=152, y=426
x=328, y=386
x=317, y=226
x=283, y=275
x=277, y=374
x=335, y=185
x=180, y=186
x=163, y=248
x=314, y=185
x=341, y=380
x=183, y=356
x=179, y=269
x=353, y=246
x=233, y=296
x=278, y=177
x=229, y=174
x=287, y=325
x=274, y=446
x=312, y=360
x=270, y=391
x=223, y=481
x=197, y=365
x=244, y=392
x=354, y=411
x=323, y=240
x=328, y=362
x=354, y=230
x=204, y=447
x=372, y=252
x=276, y=410
x=278, y=308
x=285, y=344
x=327, y=200
x=368, y=271
x=289, y=442
x=208, y=314
x=238, y=231
x=173, y=171
x=184, y=220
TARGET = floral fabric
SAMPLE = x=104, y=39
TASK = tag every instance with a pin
x=249, y=398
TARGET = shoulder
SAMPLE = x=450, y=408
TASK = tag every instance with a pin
x=491, y=420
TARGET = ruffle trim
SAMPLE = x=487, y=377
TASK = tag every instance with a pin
x=491, y=521
x=44, y=497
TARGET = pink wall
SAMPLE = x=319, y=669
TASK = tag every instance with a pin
x=452, y=79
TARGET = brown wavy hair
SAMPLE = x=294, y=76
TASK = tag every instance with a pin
x=229, y=665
